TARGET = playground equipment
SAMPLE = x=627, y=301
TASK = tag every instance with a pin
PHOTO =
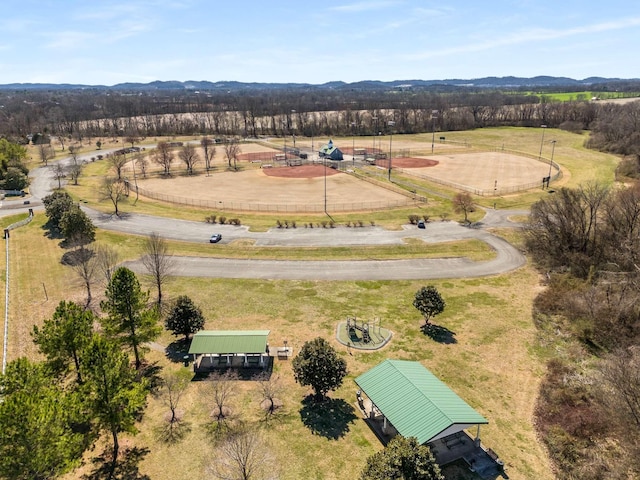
x=365, y=328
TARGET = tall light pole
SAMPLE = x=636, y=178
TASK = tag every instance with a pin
x=293, y=112
x=543, y=127
x=553, y=148
x=353, y=144
x=324, y=160
x=434, y=114
x=391, y=125
x=284, y=136
x=374, y=134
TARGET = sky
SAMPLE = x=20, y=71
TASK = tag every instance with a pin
x=106, y=42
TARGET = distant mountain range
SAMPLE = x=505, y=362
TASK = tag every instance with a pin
x=486, y=82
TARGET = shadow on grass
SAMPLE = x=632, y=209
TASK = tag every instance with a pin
x=439, y=334
x=151, y=372
x=329, y=418
x=126, y=468
x=177, y=350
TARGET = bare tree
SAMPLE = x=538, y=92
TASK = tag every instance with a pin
x=189, y=156
x=59, y=172
x=223, y=387
x=231, y=151
x=158, y=261
x=163, y=156
x=86, y=267
x=171, y=390
x=73, y=153
x=46, y=153
x=114, y=190
x=107, y=262
x=621, y=387
x=74, y=170
x=142, y=162
x=243, y=456
x=209, y=148
x=117, y=161
x=463, y=203
x=270, y=388
x=132, y=139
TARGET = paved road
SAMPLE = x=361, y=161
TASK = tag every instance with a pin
x=507, y=258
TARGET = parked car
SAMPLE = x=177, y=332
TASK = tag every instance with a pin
x=421, y=224
x=215, y=238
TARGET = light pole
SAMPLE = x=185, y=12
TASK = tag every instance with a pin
x=353, y=144
x=284, y=136
x=543, y=127
x=324, y=161
x=553, y=148
x=374, y=134
x=434, y=114
x=391, y=125
x=293, y=112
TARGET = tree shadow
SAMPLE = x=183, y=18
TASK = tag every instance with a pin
x=439, y=333
x=76, y=257
x=329, y=418
x=177, y=350
x=151, y=371
x=126, y=468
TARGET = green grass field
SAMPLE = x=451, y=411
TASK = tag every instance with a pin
x=580, y=96
x=493, y=361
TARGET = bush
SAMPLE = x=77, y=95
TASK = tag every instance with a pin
x=222, y=220
x=413, y=219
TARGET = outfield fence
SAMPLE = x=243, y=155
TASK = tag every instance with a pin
x=313, y=207
x=487, y=192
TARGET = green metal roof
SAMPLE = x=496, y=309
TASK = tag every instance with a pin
x=229, y=341
x=415, y=401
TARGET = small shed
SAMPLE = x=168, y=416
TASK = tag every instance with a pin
x=330, y=151
x=213, y=349
x=415, y=402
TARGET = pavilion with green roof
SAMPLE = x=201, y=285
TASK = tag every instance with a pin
x=416, y=403
x=228, y=348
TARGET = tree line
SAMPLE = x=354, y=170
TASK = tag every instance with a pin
x=308, y=112
x=586, y=243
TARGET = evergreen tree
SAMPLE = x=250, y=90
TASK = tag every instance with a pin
x=128, y=319
x=63, y=337
x=319, y=366
x=55, y=206
x=77, y=227
x=402, y=459
x=114, y=396
x=429, y=302
x=185, y=318
x=39, y=438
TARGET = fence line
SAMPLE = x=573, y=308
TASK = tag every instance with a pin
x=319, y=207
x=6, y=287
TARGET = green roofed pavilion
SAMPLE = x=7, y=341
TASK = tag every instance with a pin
x=229, y=341
x=228, y=348
x=416, y=402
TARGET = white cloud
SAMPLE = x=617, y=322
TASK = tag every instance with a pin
x=364, y=6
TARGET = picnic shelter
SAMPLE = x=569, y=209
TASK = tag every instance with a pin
x=213, y=349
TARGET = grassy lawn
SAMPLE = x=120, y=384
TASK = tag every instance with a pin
x=491, y=358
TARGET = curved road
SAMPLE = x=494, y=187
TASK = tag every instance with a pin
x=508, y=258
